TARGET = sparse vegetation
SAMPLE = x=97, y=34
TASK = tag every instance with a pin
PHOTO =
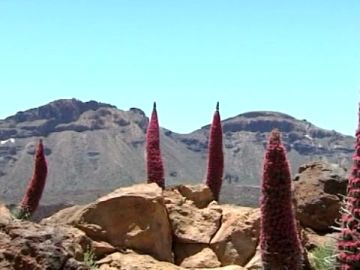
x=21, y=213
x=324, y=258
x=215, y=169
x=90, y=258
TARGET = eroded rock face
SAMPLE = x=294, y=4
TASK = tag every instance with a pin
x=189, y=223
x=43, y=120
x=236, y=240
x=227, y=235
x=316, y=191
x=133, y=217
x=26, y=245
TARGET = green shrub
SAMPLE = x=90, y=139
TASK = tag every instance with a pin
x=90, y=258
x=21, y=213
x=324, y=257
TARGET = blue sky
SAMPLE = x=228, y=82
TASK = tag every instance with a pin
x=296, y=57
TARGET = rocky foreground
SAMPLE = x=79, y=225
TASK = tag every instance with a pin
x=143, y=227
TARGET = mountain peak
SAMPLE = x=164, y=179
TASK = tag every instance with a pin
x=257, y=114
x=265, y=121
x=68, y=114
x=62, y=110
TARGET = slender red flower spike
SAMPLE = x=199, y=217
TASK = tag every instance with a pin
x=155, y=169
x=349, y=241
x=279, y=240
x=36, y=186
x=215, y=167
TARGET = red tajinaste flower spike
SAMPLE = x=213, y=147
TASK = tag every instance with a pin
x=279, y=240
x=154, y=164
x=215, y=167
x=36, y=186
x=349, y=240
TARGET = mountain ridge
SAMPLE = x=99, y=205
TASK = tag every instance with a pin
x=94, y=147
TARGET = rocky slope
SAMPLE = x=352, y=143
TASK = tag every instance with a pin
x=93, y=148
x=144, y=227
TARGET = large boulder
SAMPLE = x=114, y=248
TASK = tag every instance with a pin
x=201, y=233
x=133, y=217
x=189, y=223
x=317, y=190
x=211, y=236
x=26, y=245
x=236, y=240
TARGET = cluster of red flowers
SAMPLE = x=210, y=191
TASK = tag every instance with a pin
x=36, y=186
x=215, y=169
x=154, y=164
x=279, y=241
x=349, y=242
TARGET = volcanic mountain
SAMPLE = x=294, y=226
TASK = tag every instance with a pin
x=93, y=148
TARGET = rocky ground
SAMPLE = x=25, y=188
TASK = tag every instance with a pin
x=143, y=227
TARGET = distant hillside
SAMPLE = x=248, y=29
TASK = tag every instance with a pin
x=93, y=148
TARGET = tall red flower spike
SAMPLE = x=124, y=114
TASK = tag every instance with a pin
x=154, y=164
x=279, y=240
x=215, y=167
x=349, y=241
x=36, y=186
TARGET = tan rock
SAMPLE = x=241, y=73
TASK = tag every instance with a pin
x=133, y=261
x=316, y=191
x=200, y=194
x=68, y=215
x=75, y=241
x=102, y=249
x=255, y=263
x=26, y=245
x=236, y=240
x=5, y=215
x=314, y=240
x=193, y=225
x=134, y=217
x=173, y=196
x=195, y=256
